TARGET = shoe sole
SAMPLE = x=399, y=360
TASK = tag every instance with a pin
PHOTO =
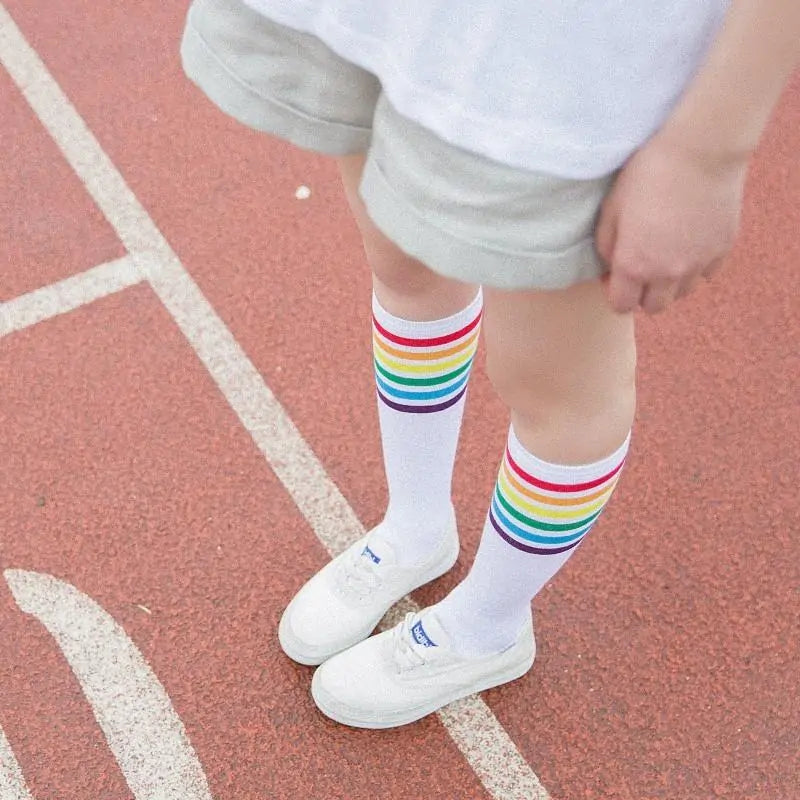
x=300, y=652
x=331, y=708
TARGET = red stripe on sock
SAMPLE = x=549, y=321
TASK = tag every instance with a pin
x=450, y=337
x=561, y=487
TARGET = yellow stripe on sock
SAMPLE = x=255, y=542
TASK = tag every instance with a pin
x=428, y=368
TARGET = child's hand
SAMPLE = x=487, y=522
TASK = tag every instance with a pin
x=670, y=218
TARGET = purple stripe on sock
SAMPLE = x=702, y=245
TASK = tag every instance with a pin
x=539, y=551
x=421, y=409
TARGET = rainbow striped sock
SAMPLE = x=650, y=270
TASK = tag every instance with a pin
x=421, y=375
x=424, y=373
x=547, y=517
x=540, y=512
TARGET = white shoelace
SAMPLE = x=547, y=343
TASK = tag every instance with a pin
x=360, y=575
x=407, y=654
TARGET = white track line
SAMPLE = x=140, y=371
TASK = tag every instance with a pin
x=129, y=703
x=293, y=461
x=102, y=179
x=69, y=294
x=12, y=783
x=476, y=731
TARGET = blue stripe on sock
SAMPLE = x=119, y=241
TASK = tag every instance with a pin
x=390, y=390
x=533, y=537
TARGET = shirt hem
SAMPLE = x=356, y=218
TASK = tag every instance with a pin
x=444, y=117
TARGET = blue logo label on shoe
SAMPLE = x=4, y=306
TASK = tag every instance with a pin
x=420, y=637
x=370, y=555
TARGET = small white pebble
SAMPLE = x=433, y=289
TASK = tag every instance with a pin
x=144, y=608
x=302, y=193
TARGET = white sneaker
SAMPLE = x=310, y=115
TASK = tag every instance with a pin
x=346, y=599
x=409, y=671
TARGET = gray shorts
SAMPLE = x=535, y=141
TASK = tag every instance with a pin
x=463, y=215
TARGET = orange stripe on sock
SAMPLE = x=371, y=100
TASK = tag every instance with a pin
x=554, y=501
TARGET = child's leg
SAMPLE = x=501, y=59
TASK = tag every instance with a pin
x=564, y=363
x=425, y=331
x=424, y=336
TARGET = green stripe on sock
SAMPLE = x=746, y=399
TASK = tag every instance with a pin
x=543, y=526
x=422, y=381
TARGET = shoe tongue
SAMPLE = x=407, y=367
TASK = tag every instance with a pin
x=428, y=632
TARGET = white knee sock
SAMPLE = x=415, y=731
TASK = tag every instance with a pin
x=421, y=370
x=539, y=513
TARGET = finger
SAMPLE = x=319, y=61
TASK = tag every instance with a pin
x=605, y=234
x=658, y=295
x=624, y=292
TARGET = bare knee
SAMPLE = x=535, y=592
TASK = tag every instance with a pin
x=542, y=389
x=404, y=285
x=408, y=288
x=568, y=404
x=392, y=268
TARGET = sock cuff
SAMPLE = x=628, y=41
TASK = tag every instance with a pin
x=423, y=367
x=547, y=509
x=565, y=474
x=416, y=329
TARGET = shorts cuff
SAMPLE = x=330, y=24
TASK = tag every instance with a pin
x=242, y=102
x=471, y=261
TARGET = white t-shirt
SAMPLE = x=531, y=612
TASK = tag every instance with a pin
x=568, y=87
